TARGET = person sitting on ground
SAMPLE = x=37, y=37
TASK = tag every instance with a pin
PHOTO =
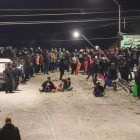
x=98, y=90
x=47, y=86
x=9, y=131
x=66, y=85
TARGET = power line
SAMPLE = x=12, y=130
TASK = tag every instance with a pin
x=50, y=9
x=60, y=9
x=53, y=22
x=64, y=14
x=101, y=26
x=60, y=14
x=65, y=21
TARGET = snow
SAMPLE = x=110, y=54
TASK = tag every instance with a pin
x=73, y=115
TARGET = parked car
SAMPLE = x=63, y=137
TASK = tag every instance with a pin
x=3, y=63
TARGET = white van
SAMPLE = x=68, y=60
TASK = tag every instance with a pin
x=3, y=63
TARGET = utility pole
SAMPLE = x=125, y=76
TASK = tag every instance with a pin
x=119, y=23
x=124, y=23
x=119, y=16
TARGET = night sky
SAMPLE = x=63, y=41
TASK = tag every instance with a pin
x=60, y=35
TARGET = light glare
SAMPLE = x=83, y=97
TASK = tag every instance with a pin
x=76, y=34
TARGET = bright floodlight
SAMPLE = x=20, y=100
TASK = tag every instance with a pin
x=76, y=34
x=97, y=47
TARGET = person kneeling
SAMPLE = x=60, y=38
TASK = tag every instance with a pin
x=47, y=86
x=98, y=90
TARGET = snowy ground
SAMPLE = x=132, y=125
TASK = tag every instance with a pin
x=74, y=115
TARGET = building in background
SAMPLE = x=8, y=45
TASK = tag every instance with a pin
x=132, y=41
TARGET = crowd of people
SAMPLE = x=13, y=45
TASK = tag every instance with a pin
x=107, y=64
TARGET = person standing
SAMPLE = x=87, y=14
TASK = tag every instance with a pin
x=62, y=67
x=27, y=65
x=41, y=62
x=37, y=63
x=9, y=131
x=125, y=70
x=8, y=77
x=95, y=67
x=73, y=63
x=47, y=59
x=53, y=59
x=15, y=73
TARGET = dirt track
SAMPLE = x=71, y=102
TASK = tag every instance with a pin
x=74, y=115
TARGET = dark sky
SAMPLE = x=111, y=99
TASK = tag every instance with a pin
x=28, y=35
x=96, y=4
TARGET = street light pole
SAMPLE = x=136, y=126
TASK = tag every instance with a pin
x=76, y=34
x=87, y=40
x=119, y=15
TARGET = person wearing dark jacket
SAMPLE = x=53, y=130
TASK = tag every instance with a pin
x=47, y=86
x=8, y=77
x=47, y=59
x=93, y=71
x=15, y=73
x=9, y=131
x=73, y=63
x=125, y=70
x=98, y=90
x=62, y=67
x=27, y=65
